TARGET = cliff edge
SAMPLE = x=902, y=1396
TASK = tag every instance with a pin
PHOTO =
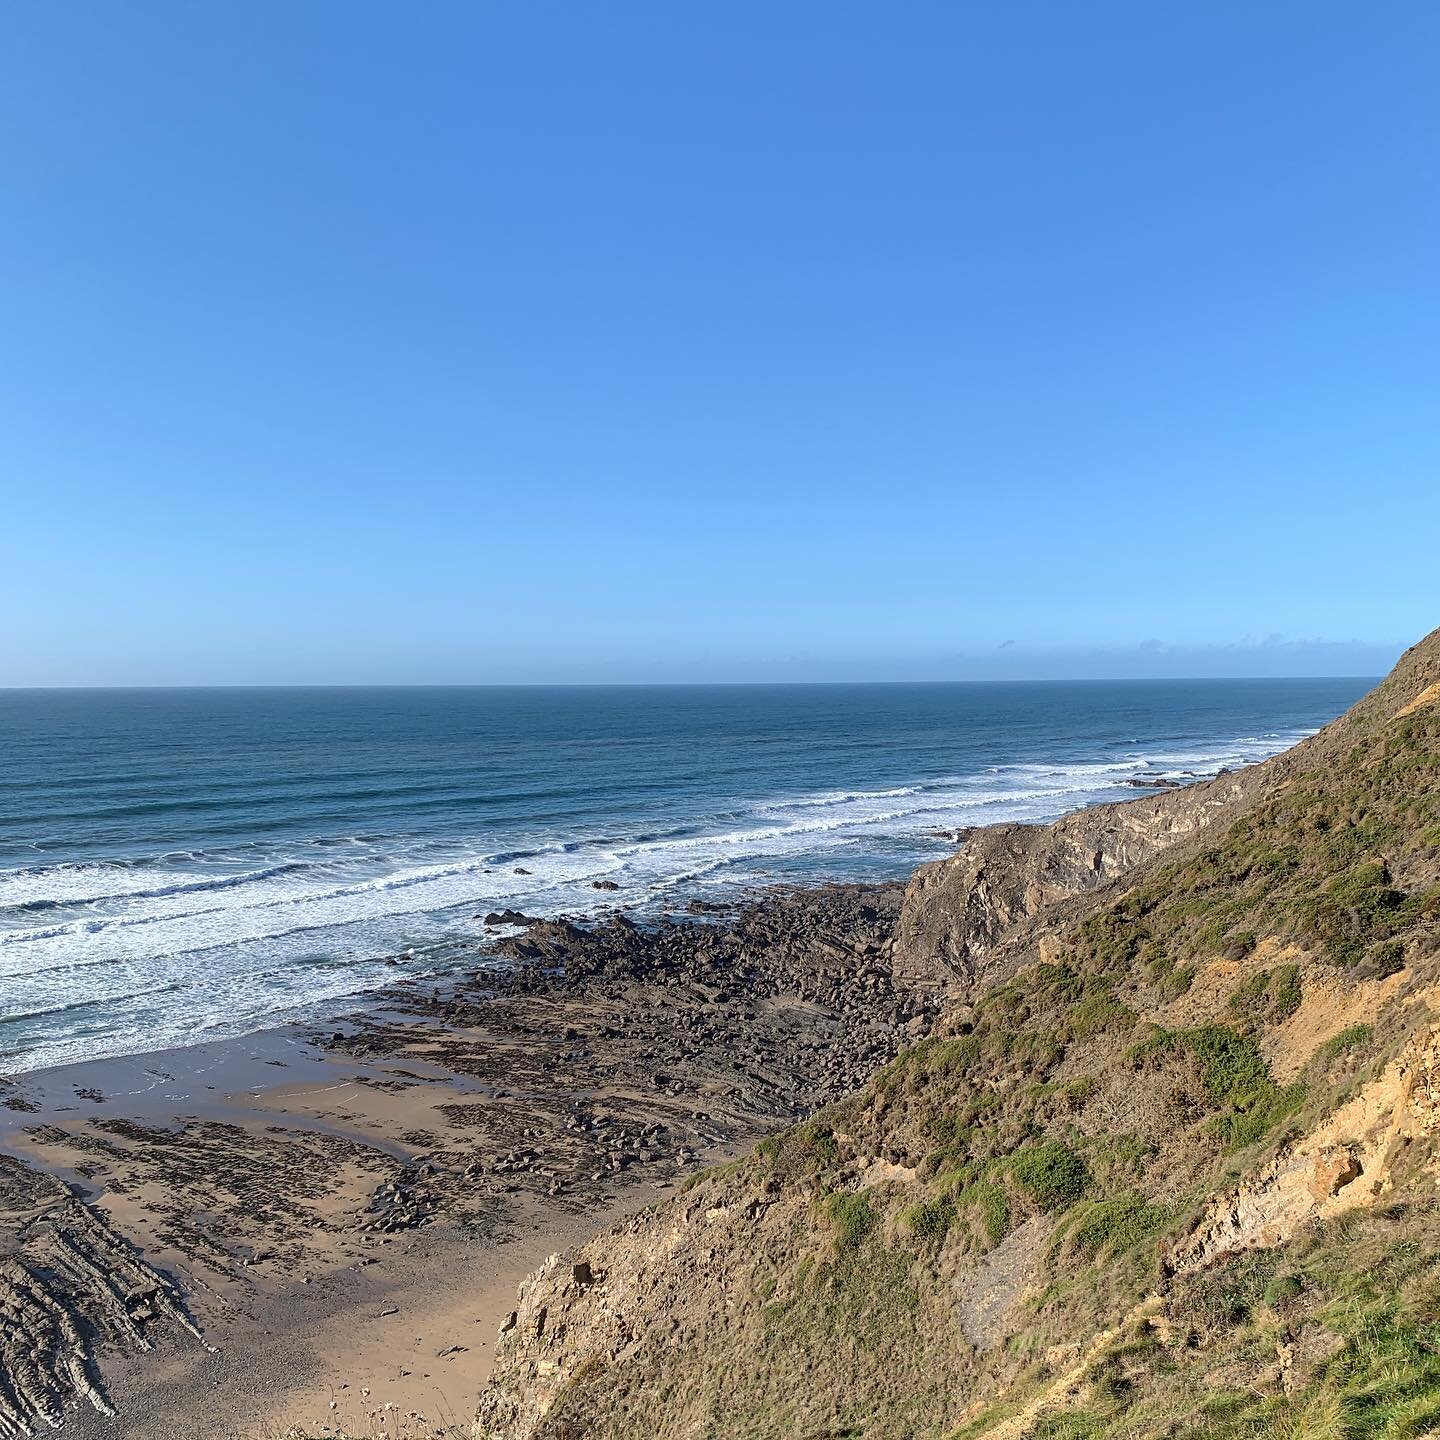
x=1166, y=1165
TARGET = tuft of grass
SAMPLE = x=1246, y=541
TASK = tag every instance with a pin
x=1118, y=1223
x=930, y=1220
x=1352, y=1037
x=993, y=1205
x=1070, y=1425
x=1281, y=1289
x=803, y=1151
x=853, y=1218
x=1052, y=1174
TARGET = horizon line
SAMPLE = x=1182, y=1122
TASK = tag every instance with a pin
x=678, y=684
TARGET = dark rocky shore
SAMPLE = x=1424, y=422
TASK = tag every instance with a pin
x=592, y=1059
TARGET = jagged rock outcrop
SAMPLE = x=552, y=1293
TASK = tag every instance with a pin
x=72, y=1282
x=957, y=911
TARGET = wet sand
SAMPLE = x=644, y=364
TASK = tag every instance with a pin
x=344, y=1217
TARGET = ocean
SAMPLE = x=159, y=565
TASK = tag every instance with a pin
x=185, y=865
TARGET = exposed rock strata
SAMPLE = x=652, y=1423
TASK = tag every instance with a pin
x=71, y=1283
x=957, y=911
x=594, y=1058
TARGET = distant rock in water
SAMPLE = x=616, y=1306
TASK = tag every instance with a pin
x=510, y=917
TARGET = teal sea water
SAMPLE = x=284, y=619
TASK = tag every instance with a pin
x=181, y=865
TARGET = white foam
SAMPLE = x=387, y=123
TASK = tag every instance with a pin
x=125, y=958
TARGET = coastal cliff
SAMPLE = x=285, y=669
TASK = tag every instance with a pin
x=995, y=1150
x=957, y=911
x=1166, y=1163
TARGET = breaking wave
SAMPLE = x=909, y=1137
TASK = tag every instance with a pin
x=142, y=948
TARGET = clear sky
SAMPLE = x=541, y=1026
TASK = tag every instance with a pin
x=525, y=341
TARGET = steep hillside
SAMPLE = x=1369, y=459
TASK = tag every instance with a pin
x=958, y=912
x=1167, y=1164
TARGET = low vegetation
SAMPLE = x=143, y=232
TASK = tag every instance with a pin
x=983, y=1241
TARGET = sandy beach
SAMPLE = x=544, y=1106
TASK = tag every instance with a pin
x=322, y=1232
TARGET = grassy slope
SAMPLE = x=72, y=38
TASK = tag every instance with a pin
x=1063, y=1138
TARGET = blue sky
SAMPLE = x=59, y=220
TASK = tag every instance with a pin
x=480, y=342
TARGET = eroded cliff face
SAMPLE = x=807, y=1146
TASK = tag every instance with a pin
x=1172, y=1146
x=957, y=912
x=656, y=1303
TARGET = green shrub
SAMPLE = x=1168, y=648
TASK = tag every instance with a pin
x=1052, y=1174
x=852, y=1217
x=1355, y=908
x=1098, y=1011
x=1238, y=1079
x=1260, y=1114
x=1177, y=982
x=1117, y=1223
x=931, y=1219
x=1233, y=1067
x=1267, y=997
x=1387, y=959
